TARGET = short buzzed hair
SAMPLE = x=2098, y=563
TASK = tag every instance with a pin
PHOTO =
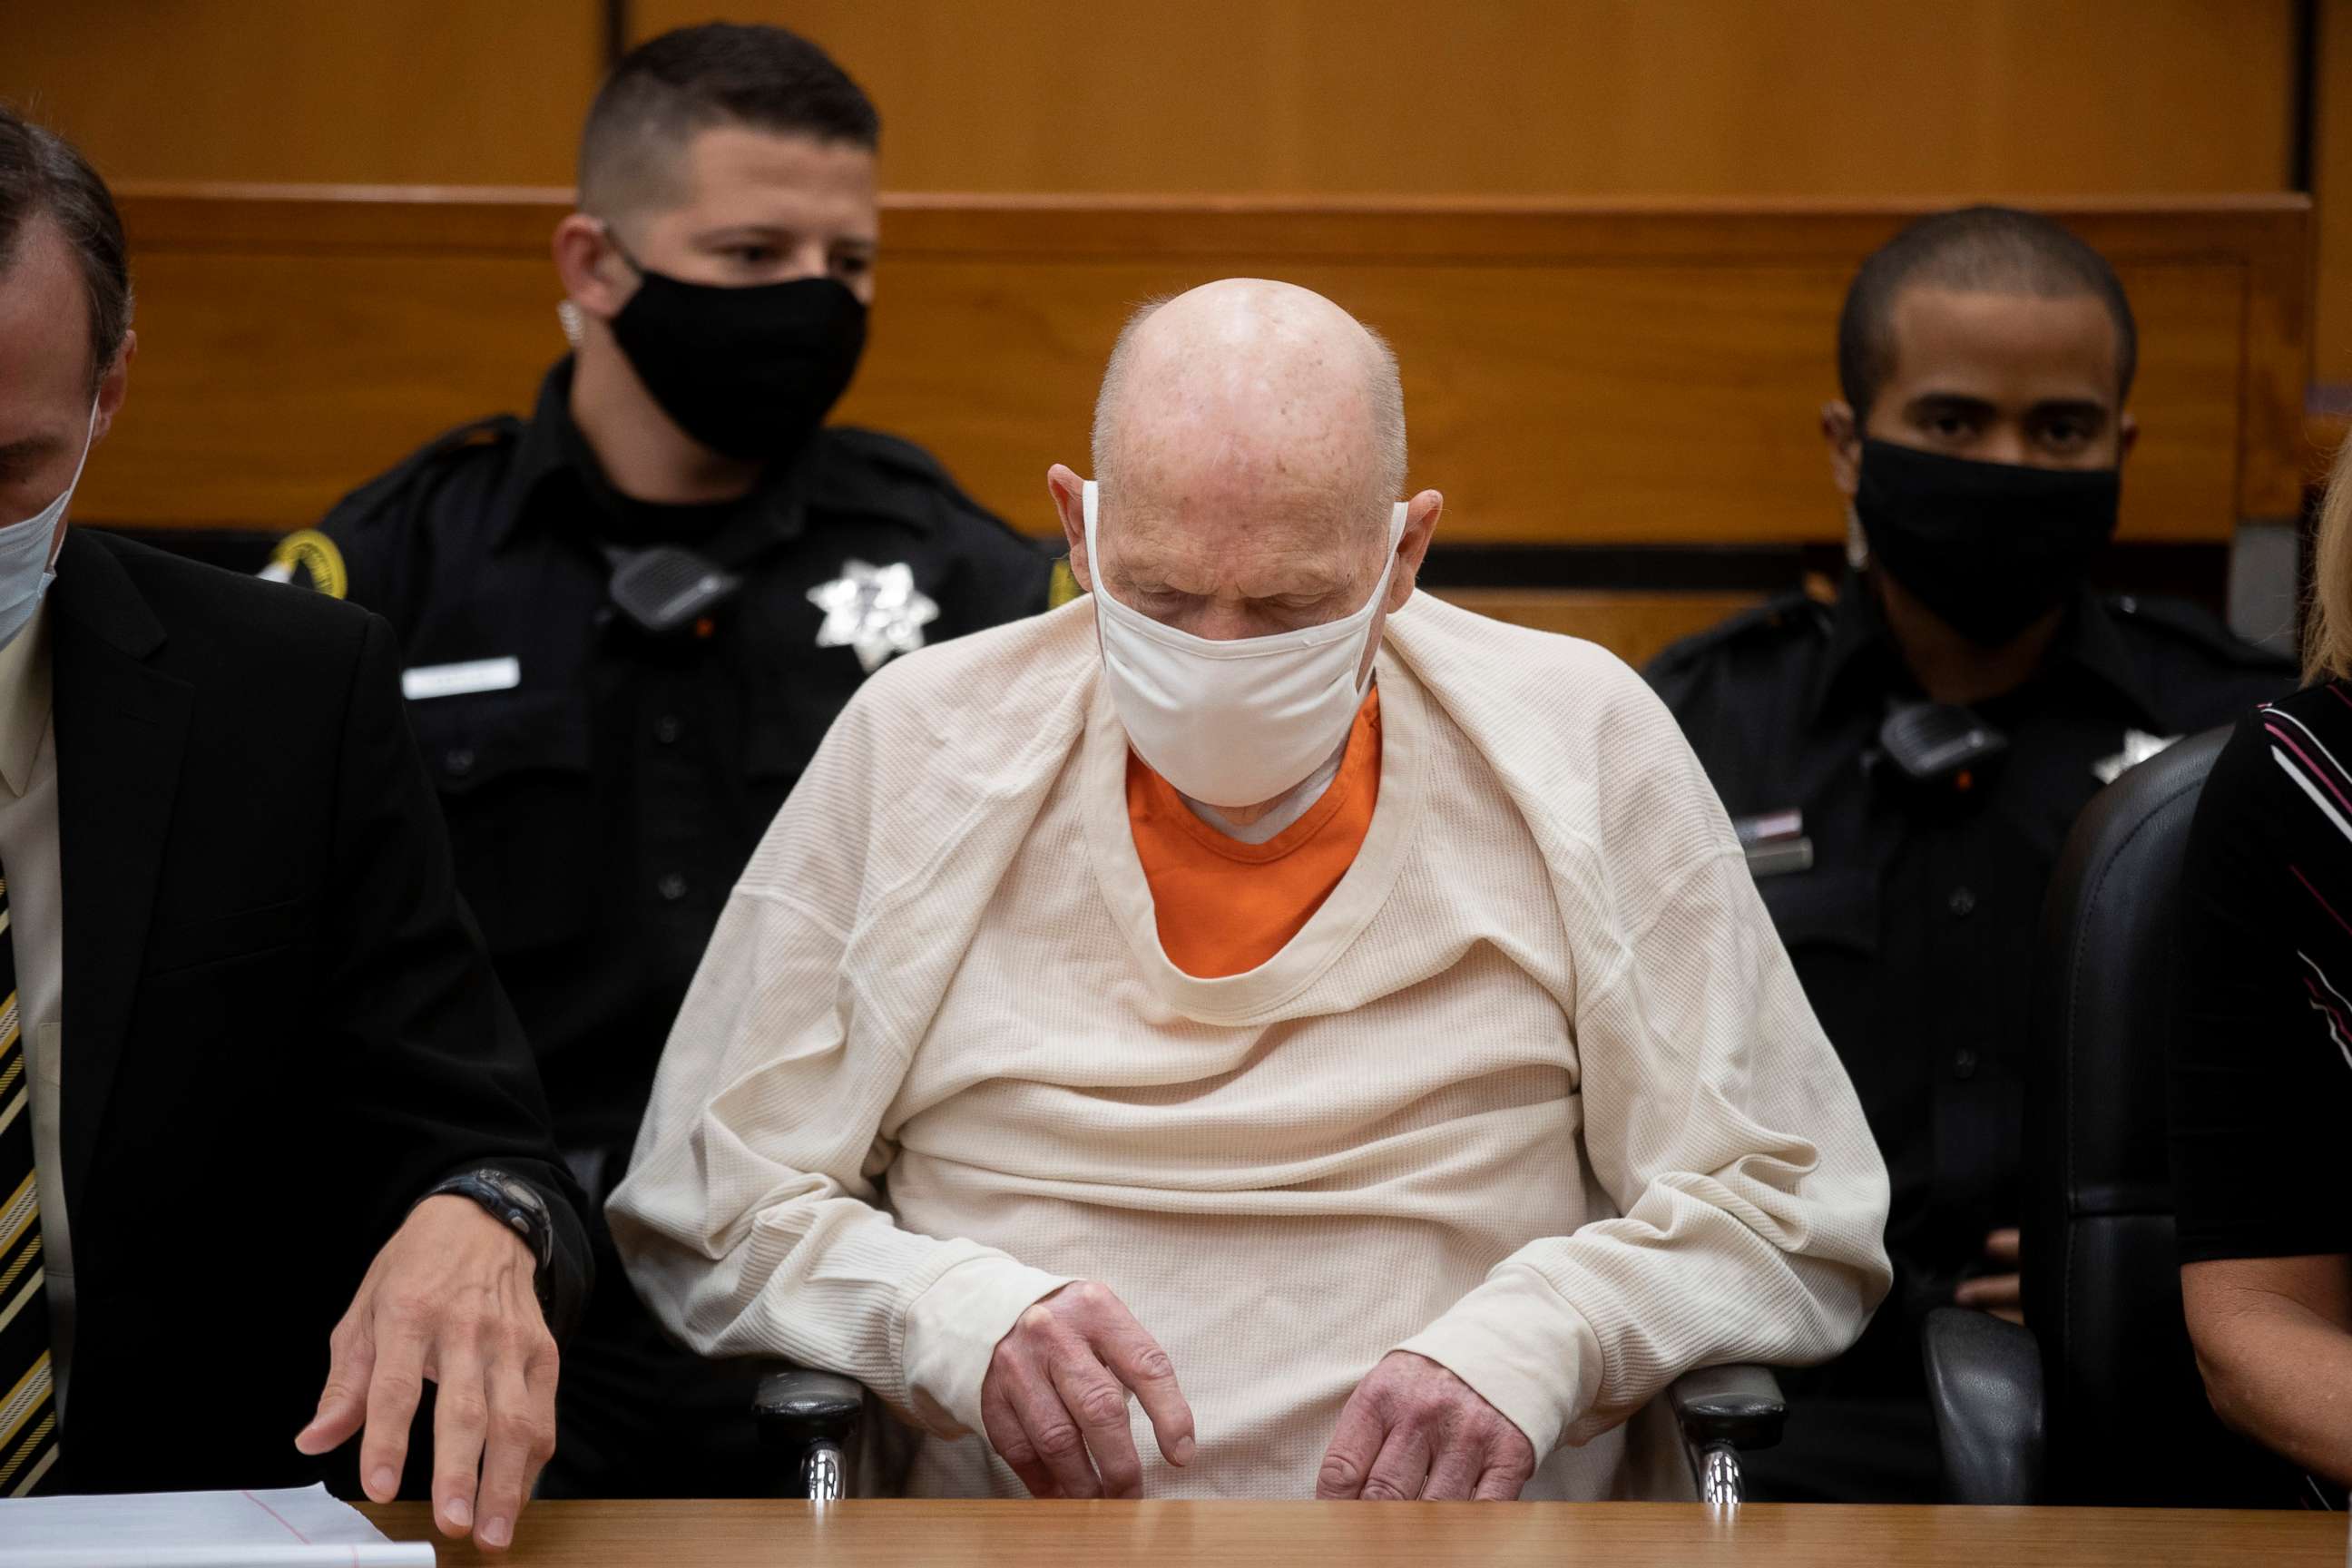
x=1981, y=249
x=721, y=73
x=1387, y=396
x=42, y=173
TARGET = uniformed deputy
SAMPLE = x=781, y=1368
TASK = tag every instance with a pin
x=627, y=623
x=1904, y=763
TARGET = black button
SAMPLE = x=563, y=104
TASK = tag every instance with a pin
x=459, y=760
x=671, y=887
x=1962, y=903
x=1963, y=1063
x=667, y=729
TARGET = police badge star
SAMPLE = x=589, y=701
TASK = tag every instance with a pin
x=877, y=610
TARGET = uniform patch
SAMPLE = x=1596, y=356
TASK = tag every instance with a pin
x=311, y=559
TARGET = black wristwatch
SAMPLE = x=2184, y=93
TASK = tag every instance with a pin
x=514, y=1202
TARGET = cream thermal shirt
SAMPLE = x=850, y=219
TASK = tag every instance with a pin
x=1535, y=1093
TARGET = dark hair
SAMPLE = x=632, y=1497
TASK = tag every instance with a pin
x=40, y=172
x=721, y=73
x=1983, y=249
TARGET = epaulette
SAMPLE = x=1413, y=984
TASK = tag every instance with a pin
x=2185, y=620
x=921, y=473
x=310, y=558
x=889, y=451
x=373, y=498
x=1795, y=613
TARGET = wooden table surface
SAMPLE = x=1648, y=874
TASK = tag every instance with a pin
x=1170, y=1535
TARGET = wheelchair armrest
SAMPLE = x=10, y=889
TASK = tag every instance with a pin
x=1984, y=1383
x=1738, y=1405
x=811, y=1419
x=797, y=1407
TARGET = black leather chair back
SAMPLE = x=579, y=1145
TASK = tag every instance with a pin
x=2128, y=1422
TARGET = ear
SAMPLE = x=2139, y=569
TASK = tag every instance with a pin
x=115, y=388
x=1421, y=515
x=1843, y=435
x=594, y=277
x=1069, y=496
x=2127, y=437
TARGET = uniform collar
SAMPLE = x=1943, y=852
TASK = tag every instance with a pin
x=554, y=478
x=1862, y=657
x=24, y=701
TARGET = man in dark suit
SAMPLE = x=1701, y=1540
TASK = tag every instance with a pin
x=267, y=1126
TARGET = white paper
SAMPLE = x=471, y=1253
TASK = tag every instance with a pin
x=290, y=1528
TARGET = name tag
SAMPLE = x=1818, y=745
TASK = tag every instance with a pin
x=1775, y=842
x=460, y=679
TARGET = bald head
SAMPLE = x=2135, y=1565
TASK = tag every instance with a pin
x=1247, y=382
x=1248, y=450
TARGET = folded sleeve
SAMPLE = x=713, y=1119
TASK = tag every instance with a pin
x=1751, y=1198
x=750, y=1221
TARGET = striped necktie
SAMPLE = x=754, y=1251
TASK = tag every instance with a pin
x=28, y=1410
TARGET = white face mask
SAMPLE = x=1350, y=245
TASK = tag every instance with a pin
x=27, y=557
x=1237, y=723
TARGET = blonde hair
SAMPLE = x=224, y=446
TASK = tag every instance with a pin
x=2327, y=630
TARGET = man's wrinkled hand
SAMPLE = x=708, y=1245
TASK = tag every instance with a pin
x=1054, y=1399
x=450, y=1299
x=2001, y=1294
x=1412, y=1429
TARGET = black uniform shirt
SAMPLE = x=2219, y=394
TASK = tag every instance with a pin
x=605, y=791
x=1914, y=929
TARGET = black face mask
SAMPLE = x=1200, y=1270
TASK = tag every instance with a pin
x=1989, y=547
x=748, y=371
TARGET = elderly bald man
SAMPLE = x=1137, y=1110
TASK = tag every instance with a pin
x=1341, y=1022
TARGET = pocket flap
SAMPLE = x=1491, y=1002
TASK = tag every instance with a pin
x=1824, y=909
x=469, y=742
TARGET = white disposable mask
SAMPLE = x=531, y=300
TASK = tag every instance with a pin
x=1237, y=723
x=28, y=559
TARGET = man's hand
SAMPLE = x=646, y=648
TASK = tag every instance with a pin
x=1054, y=1399
x=449, y=1298
x=2000, y=1294
x=1412, y=1429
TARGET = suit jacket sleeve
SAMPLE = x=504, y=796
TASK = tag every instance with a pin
x=441, y=1077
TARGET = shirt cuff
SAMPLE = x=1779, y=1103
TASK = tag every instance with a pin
x=1521, y=1348
x=952, y=1331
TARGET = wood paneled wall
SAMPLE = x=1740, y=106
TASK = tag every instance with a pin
x=1871, y=98
x=2332, y=180
x=392, y=91
x=1562, y=97
x=1575, y=374
x=1565, y=98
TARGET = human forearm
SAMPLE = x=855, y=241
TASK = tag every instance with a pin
x=2274, y=1339
x=826, y=1281
x=748, y=1220
x=1571, y=1334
